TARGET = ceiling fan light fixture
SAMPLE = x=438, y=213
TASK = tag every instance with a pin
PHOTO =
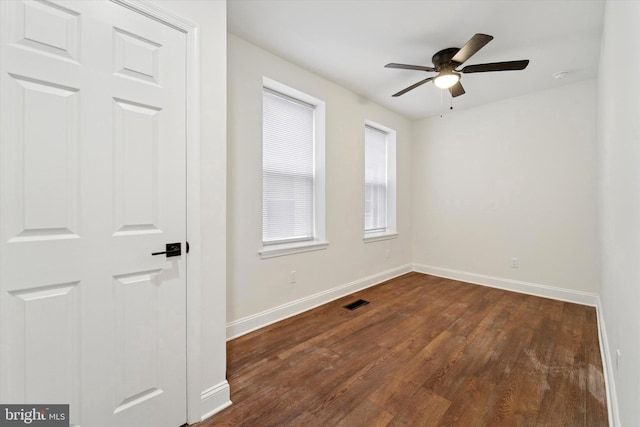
x=445, y=80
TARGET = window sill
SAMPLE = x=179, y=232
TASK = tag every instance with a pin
x=273, y=251
x=376, y=237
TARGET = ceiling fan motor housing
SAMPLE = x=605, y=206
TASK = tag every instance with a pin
x=442, y=59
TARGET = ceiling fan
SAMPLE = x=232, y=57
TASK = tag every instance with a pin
x=447, y=60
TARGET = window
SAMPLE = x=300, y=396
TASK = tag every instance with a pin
x=375, y=180
x=287, y=169
x=292, y=171
x=379, y=182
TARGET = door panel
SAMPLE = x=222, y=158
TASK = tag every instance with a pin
x=136, y=167
x=136, y=57
x=92, y=181
x=47, y=322
x=45, y=158
x=137, y=338
x=49, y=28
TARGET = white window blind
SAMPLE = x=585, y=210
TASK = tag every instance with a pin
x=375, y=180
x=287, y=169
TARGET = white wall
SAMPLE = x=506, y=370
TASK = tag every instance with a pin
x=515, y=178
x=211, y=18
x=619, y=138
x=256, y=285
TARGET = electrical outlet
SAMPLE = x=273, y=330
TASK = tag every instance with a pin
x=515, y=262
x=292, y=276
x=618, y=360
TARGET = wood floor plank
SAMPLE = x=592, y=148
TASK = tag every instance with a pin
x=490, y=364
x=426, y=351
x=366, y=414
x=420, y=405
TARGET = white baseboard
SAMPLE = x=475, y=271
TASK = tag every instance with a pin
x=251, y=323
x=215, y=399
x=612, y=397
x=562, y=294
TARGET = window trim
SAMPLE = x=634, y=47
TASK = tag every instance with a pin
x=282, y=249
x=391, y=231
x=379, y=236
x=318, y=242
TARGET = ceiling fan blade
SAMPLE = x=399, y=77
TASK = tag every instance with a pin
x=420, y=83
x=409, y=67
x=476, y=43
x=456, y=90
x=496, y=66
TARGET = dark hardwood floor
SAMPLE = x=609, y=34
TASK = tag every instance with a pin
x=426, y=351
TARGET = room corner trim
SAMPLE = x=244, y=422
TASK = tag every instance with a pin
x=605, y=352
x=251, y=323
x=562, y=294
x=215, y=399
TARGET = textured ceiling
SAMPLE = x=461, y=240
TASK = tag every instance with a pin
x=350, y=41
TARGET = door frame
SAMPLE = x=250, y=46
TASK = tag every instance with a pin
x=193, y=211
x=193, y=263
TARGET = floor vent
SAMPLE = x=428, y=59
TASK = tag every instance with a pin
x=356, y=304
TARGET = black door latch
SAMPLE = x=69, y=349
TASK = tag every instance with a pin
x=171, y=249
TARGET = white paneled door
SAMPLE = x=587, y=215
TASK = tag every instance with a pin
x=92, y=182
